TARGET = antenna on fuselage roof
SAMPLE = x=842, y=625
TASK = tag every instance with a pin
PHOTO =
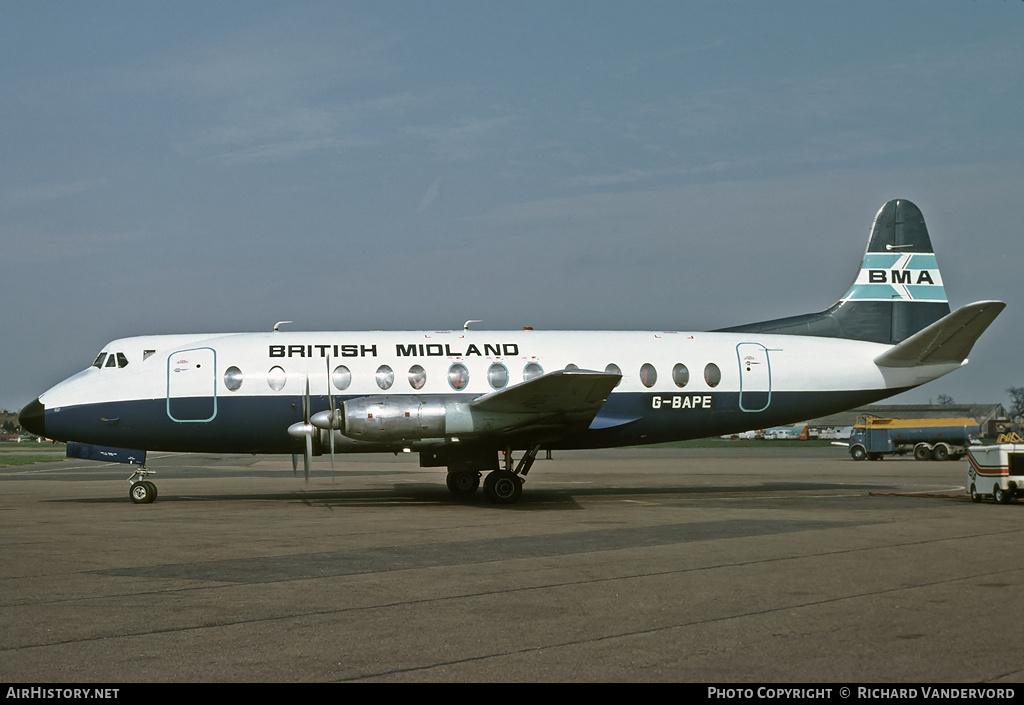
x=465, y=326
x=278, y=325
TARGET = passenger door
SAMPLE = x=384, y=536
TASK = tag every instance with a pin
x=192, y=385
x=755, y=377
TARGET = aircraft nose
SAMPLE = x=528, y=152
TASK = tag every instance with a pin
x=33, y=418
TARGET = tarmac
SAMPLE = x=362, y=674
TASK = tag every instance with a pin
x=739, y=565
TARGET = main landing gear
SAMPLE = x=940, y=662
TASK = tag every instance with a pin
x=501, y=486
x=141, y=490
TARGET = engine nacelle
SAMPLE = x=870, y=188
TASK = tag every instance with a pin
x=384, y=419
x=395, y=419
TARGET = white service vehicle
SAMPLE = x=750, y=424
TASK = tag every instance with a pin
x=997, y=470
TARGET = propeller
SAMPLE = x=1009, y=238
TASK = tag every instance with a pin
x=303, y=429
x=329, y=420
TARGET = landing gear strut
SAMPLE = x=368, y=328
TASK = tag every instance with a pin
x=505, y=486
x=141, y=490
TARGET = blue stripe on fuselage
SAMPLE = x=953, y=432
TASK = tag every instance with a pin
x=260, y=424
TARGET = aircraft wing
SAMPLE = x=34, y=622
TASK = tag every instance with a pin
x=563, y=397
x=948, y=340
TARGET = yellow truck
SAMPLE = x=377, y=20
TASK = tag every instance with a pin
x=928, y=439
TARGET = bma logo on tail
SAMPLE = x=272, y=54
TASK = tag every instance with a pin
x=893, y=277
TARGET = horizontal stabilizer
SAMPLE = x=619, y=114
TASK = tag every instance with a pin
x=575, y=395
x=948, y=340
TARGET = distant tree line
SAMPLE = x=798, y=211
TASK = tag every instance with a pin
x=1016, y=401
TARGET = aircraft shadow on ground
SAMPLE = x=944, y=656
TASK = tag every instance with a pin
x=531, y=499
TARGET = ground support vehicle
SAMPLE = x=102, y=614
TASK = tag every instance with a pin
x=928, y=439
x=996, y=470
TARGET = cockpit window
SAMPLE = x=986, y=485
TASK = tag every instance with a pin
x=110, y=360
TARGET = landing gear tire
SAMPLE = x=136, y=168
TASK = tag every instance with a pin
x=143, y=492
x=463, y=484
x=503, y=487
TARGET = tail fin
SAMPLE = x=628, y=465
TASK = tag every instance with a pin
x=898, y=290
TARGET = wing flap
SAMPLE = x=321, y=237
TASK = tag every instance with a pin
x=948, y=340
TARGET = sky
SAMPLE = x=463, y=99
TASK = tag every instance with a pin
x=180, y=167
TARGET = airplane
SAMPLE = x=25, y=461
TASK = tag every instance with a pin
x=468, y=399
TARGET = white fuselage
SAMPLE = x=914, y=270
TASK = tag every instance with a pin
x=241, y=391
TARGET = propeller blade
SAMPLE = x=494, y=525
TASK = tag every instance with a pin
x=305, y=402
x=330, y=404
x=307, y=457
x=303, y=429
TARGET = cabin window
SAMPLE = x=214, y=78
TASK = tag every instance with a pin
x=276, y=378
x=233, y=379
x=712, y=375
x=417, y=377
x=570, y=367
x=341, y=378
x=385, y=377
x=614, y=369
x=458, y=376
x=648, y=375
x=680, y=375
x=497, y=376
x=532, y=370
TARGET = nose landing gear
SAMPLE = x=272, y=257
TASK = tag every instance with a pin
x=141, y=490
